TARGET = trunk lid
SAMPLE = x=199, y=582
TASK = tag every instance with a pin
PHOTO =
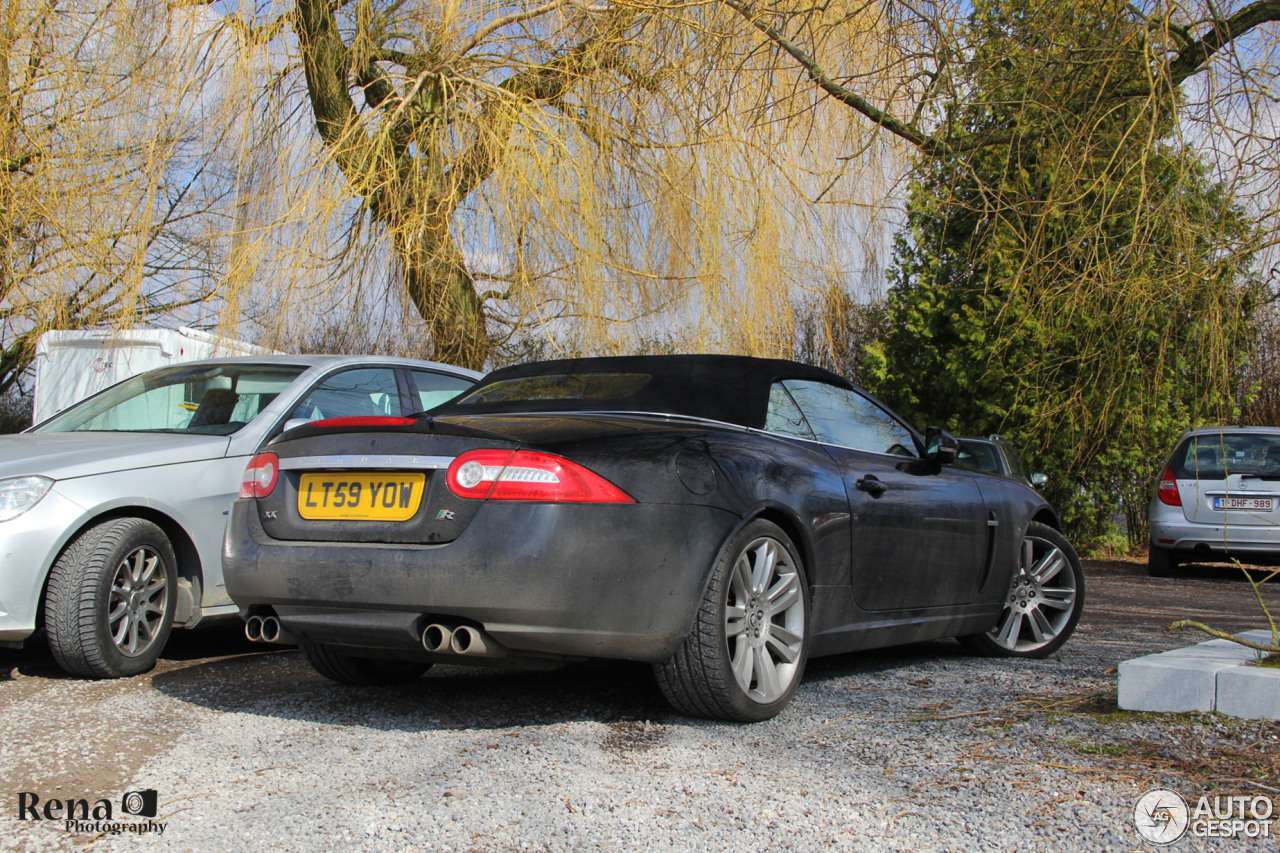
x=375, y=485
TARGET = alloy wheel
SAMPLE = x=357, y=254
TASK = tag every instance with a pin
x=764, y=620
x=137, y=601
x=1041, y=598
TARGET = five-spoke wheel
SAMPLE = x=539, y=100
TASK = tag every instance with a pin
x=745, y=656
x=764, y=620
x=1044, y=600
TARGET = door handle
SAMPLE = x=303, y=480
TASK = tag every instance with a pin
x=871, y=486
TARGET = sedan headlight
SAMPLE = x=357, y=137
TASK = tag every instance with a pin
x=19, y=494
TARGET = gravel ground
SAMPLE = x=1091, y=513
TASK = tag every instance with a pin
x=918, y=748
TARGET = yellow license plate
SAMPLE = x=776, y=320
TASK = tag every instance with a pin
x=360, y=497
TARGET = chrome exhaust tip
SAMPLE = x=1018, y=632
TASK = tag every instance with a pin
x=270, y=629
x=253, y=629
x=437, y=638
x=472, y=641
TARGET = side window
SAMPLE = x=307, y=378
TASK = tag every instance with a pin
x=978, y=456
x=844, y=417
x=784, y=416
x=368, y=391
x=436, y=388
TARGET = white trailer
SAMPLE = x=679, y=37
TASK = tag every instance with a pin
x=73, y=365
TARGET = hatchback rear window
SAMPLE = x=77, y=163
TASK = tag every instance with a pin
x=1216, y=455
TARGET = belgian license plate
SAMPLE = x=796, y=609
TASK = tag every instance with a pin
x=1255, y=504
x=360, y=497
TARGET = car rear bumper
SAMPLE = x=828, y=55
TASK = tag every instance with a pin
x=1174, y=533
x=567, y=580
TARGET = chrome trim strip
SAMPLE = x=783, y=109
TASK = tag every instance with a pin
x=295, y=463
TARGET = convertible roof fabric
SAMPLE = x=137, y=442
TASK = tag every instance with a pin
x=729, y=388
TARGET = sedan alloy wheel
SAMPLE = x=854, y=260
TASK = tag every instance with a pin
x=138, y=601
x=110, y=599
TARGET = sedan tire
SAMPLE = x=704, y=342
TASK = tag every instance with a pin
x=1044, y=601
x=1160, y=562
x=110, y=599
x=745, y=655
x=339, y=665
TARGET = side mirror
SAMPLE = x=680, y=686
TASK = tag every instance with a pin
x=940, y=446
x=1038, y=480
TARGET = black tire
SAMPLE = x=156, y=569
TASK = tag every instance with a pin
x=1160, y=562
x=770, y=639
x=1037, y=617
x=110, y=599
x=339, y=665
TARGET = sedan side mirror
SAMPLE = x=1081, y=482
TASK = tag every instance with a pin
x=940, y=446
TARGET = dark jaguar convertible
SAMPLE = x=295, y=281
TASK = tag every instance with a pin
x=723, y=518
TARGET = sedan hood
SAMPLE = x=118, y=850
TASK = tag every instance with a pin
x=65, y=455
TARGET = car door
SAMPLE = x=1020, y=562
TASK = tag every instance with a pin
x=919, y=531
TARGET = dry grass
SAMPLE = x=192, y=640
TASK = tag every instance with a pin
x=1210, y=751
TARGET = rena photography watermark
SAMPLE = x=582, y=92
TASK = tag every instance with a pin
x=1164, y=816
x=86, y=816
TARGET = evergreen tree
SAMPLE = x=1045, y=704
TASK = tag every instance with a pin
x=1069, y=275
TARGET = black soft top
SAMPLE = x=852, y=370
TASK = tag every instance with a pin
x=729, y=388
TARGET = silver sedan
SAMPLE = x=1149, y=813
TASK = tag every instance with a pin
x=1218, y=497
x=112, y=513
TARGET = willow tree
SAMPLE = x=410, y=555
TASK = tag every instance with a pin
x=101, y=188
x=609, y=175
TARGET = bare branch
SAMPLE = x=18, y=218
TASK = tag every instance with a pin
x=493, y=26
x=849, y=98
x=1222, y=31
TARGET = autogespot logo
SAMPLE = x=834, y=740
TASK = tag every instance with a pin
x=1162, y=816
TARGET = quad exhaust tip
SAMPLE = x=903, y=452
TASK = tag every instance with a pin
x=468, y=641
x=262, y=629
x=437, y=638
x=460, y=640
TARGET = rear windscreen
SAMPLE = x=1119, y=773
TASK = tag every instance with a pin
x=726, y=388
x=1214, y=456
x=558, y=386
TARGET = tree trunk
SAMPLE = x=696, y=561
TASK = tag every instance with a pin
x=443, y=291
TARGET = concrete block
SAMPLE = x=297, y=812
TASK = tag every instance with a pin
x=1167, y=682
x=1250, y=692
x=1208, y=676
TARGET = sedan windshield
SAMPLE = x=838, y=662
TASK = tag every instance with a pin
x=204, y=399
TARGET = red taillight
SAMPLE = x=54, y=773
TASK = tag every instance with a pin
x=1167, y=491
x=364, y=421
x=260, y=476
x=525, y=475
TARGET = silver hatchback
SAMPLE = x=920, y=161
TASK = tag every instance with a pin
x=1217, y=498
x=112, y=513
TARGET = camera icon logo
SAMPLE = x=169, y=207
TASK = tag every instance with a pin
x=139, y=803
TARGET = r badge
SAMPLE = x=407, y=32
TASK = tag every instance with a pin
x=444, y=515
